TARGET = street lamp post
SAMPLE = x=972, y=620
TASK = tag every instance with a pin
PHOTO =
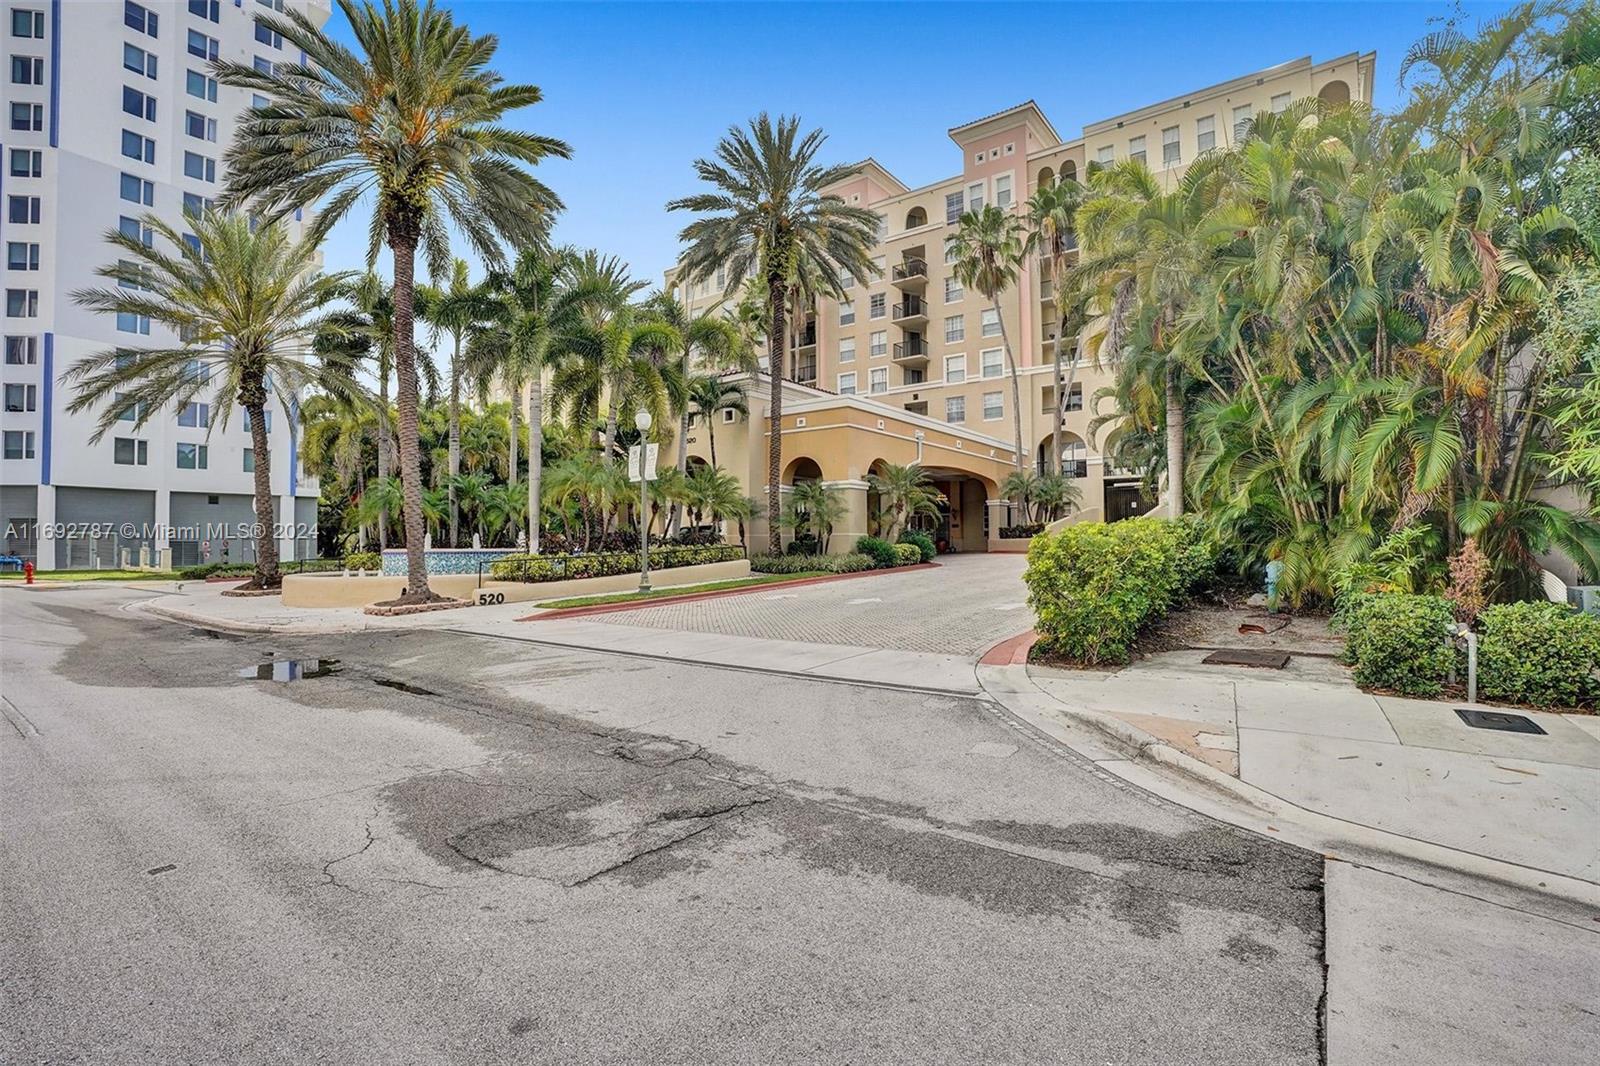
x=641, y=421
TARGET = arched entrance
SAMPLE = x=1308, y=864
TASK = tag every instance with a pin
x=1335, y=92
x=1074, y=455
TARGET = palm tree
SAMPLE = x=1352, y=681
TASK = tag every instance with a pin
x=411, y=115
x=458, y=310
x=241, y=301
x=629, y=361
x=366, y=331
x=709, y=395
x=1023, y=486
x=988, y=249
x=709, y=491
x=334, y=435
x=770, y=209
x=904, y=493
x=381, y=501
x=813, y=507
x=1052, y=216
x=1055, y=495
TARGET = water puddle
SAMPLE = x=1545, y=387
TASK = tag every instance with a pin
x=401, y=686
x=291, y=670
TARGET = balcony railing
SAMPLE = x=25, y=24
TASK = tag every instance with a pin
x=913, y=347
x=910, y=270
x=806, y=338
x=910, y=307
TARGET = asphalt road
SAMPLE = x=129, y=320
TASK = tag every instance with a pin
x=544, y=855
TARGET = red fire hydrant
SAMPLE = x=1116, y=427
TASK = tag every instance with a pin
x=27, y=571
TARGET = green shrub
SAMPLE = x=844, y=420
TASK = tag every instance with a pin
x=1544, y=654
x=879, y=550
x=804, y=544
x=1094, y=586
x=1398, y=641
x=293, y=566
x=537, y=568
x=909, y=554
x=363, y=561
x=924, y=543
x=799, y=564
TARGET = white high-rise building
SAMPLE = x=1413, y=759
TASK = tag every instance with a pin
x=110, y=113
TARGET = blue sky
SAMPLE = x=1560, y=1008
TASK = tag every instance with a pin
x=640, y=90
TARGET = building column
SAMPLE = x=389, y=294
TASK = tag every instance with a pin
x=999, y=515
x=287, y=545
x=853, y=525
x=44, y=543
x=161, y=542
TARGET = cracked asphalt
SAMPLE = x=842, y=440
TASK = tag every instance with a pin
x=532, y=854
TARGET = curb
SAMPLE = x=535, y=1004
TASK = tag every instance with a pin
x=554, y=614
x=1009, y=686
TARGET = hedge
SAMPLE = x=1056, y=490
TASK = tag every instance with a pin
x=881, y=551
x=1543, y=654
x=538, y=568
x=798, y=564
x=291, y=566
x=910, y=554
x=923, y=541
x=1398, y=641
x=1095, y=586
x=1021, y=531
x=363, y=561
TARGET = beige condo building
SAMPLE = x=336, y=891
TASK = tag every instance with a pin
x=908, y=366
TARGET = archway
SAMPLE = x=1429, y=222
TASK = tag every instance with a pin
x=916, y=217
x=1335, y=92
x=1074, y=455
x=803, y=468
x=1069, y=171
x=1045, y=179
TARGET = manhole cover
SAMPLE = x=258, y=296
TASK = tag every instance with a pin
x=1506, y=723
x=1269, y=660
x=291, y=669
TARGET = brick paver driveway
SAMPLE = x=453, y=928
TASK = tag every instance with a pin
x=964, y=606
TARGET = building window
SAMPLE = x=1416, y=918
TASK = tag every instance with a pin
x=126, y=451
x=22, y=255
x=22, y=303
x=1241, y=122
x=955, y=329
x=203, y=47
x=131, y=323
x=876, y=305
x=847, y=384
x=249, y=460
x=132, y=227
x=1205, y=133
x=267, y=36
x=191, y=456
x=200, y=86
x=27, y=163
x=847, y=281
x=1280, y=102
x=138, y=60
x=955, y=408
x=137, y=18
x=136, y=147
x=22, y=398
x=27, y=70
x=993, y=362
x=877, y=379
x=194, y=415
x=1075, y=397
x=993, y=407
x=1106, y=155
x=138, y=104
x=991, y=322
x=136, y=190
x=955, y=369
x=847, y=349
x=975, y=196
x=952, y=291
x=847, y=313
x=19, y=444
x=878, y=344
x=28, y=24
x=952, y=207
x=22, y=351
x=1171, y=151
x=206, y=9
x=27, y=118
x=199, y=126
x=262, y=64
x=194, y=204
x=199, y=167
x=1002, y=190
x=22, y=209
x=259, y=101
x=1136, y=148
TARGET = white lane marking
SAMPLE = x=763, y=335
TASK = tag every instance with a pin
x=864, y=599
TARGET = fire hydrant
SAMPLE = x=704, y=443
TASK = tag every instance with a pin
x=27, y=572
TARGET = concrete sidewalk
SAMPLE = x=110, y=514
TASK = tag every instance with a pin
x=1307, y=741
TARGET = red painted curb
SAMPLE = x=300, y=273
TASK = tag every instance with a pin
x=692, y=597
x=1013, y=651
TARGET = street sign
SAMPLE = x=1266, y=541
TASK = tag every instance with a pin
x=650, y=454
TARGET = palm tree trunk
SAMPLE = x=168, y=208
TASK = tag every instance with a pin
x=1011, y=363
x=711, y=439
x=455, y=442
x=511, y=443
x=683, y=446
x=1174, y=442
x=535, y=457
x=383, y=446
x=611, y=428
x=267, y=575
x=775, y=368
x=404, y=248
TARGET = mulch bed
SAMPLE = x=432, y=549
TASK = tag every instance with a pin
x=252, y=592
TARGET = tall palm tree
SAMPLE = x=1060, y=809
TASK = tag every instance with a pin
x=241, y=301
x=710, y=492
x=904, y=493
x=457, y=309
x=770, y=207
x=988, y=250
x=412, y=116
x=629, y=361
x=1052, y=217
x=709, y=396
x=365, y=331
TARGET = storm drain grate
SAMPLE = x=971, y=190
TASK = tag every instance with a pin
x=1506, y=723
x=1268, y=660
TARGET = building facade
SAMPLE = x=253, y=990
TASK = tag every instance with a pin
x=910, y=357
x=111, y=114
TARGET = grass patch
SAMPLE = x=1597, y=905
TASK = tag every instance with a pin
x=93, y=575
x=686, y=590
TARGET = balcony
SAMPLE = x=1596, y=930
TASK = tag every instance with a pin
x=910, y=274
x=805, y=372
x=909, y=312
x=805, y=338
x=913, y=351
